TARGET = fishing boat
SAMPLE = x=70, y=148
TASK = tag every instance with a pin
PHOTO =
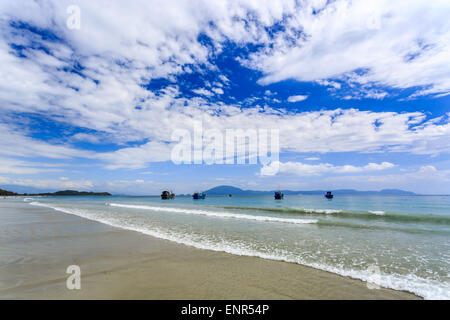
x=165, y=195
x=278, y=195
x=329, y=195
x=198, y=195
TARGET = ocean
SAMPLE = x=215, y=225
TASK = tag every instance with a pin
x=397, y=242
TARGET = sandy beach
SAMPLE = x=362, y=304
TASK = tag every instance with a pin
x=37, y=244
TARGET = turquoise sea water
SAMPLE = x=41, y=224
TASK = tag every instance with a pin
x=399, y=242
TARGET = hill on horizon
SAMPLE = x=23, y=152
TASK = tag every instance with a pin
x=225, y=190
x=57, y=193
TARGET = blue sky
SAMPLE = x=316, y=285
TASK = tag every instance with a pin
x=90, y=95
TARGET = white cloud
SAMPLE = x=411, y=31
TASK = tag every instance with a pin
x=45, y=184
x=367, y=94
x=297, y=98
x=426, y=180
x=333, y=84
x=16, y=166
x=319, y=131
x=120, y=57
x=428, y=169
x=203, y=92
x=302, y=169
x=224, y=78
x=137, y=157
x=380, y=38
x=14, y=142
x=217, y=90
x=86, y=137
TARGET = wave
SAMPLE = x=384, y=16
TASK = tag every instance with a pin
x=368, y=215
x=334, y=223
x=214, y=214
x=284, y=210
x=426, y=288
x=377, y=212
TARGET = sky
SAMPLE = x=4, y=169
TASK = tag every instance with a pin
x=91, y=93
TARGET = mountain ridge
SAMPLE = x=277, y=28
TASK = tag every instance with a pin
x=225, y=190
x=57, y=193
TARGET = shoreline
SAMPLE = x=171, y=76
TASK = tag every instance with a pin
x=122, y=264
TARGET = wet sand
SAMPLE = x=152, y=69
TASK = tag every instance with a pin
x=38, y=244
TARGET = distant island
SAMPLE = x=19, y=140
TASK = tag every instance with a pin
x=225, y=190
x=4, y=193
x=58, y=193
x=219, y=191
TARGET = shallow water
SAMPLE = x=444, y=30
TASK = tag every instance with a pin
x=398, y=242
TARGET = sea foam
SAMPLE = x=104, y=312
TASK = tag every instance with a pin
x=377, y=212
x=426, y=288
x=215, y=214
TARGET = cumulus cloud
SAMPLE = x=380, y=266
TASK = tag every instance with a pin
x=203, y=92
x=302, y=169
x=372, y=42
x=217, y=90
x=224, y=78
x=137, y=157
x=297, y=98
x=332, y=84
x=425, y=180
x=364, y=42
x=86, y=137
x=15, y=166
x=61, y=183
x=322, y=131
x=16, y=143
x=95, y=77
x=337, y=130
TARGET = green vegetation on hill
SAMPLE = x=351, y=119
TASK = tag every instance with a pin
x=75, y=193
x=58, y=193
x=7, y=193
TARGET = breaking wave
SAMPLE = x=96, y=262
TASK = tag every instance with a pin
x=214, y=213
x=426, y=288
x=368, y=215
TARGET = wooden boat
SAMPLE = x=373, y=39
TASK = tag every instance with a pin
x=166, y=195
x=197, y=195
x=278, y=195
